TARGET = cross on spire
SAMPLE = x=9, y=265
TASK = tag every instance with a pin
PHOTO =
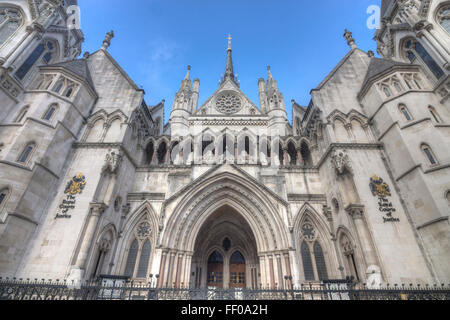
x=229, y=41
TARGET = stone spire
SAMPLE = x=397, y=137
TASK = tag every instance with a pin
x=271, y=83
x=186, y=83
x=188, y=73
x=229, y=72
x=107, y=41
x=349, y=37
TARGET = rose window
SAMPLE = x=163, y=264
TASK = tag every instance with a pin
x=228, y=103
x=144, y=230
x=309, y=233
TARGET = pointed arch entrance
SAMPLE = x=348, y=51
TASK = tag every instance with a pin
x=224, y=212
x=225, y=253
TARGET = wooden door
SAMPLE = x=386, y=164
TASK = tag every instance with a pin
x=215, y=270
x=237, y=270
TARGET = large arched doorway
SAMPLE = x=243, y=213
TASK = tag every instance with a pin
x=225, y=252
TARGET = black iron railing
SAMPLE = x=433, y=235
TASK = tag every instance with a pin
x=20, y=289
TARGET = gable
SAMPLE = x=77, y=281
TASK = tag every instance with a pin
x=228, y=101
x=115, y=89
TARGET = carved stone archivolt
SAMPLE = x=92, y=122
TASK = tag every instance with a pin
x=257, y=212
x=341, y=162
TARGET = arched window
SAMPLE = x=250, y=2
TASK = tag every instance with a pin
x=131, y=260
x=162, y=150
x=415, y=50
x=45, y=50
x=50, y=112
x=307, y=262
x=349, y=254
x=387, y=91
x=3, y=197
x=59, y=85
x=434, y=114
x=247, y=145
x=429, y=154
x=26, y=153
x=404, y=110
x=149, y=151
x=320, y=262
x=443, y=17
x=10, y=20
x=22, y=114
x=292, y=151
x=306, y=154
x=139, y=252
x=144, y=260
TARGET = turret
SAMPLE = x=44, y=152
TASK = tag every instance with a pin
x=195, y=94
x=183, y=105
x=262, y=95
x=276, y=109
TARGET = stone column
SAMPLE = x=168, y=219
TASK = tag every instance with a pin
x=179, y=270
x=434, y=45
x=299, y=156
x=187, y=270
x=24, y=43
x=79, y=269
x=161, y=280
x=285, y=157
x=271, y=270
x=288, y=269
x=171, y=267
x=280, y=273
x=357, y=213
x=262, y=266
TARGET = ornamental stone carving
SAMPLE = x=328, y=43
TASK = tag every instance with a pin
x=143, y=230
x=228, y=103
x=340, y=161
x=308, y=231
x=113, y=160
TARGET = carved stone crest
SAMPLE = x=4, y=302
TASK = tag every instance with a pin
x=113, y=160
x=340, y=161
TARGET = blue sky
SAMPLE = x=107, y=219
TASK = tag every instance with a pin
x=155, y=40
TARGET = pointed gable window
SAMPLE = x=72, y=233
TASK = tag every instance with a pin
x=50, y=112
x=26, y=153
x=10, y=20
x=429, y=154
x=443, y=17
x=415, y=50
x=404, y=110
x=46, y=49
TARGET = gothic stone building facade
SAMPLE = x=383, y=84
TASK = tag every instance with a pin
x=226, y=194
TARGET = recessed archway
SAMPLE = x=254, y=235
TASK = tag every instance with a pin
x=225, y=253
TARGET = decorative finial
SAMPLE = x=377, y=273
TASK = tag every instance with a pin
x=349, y=37
x=370, y=54
x=188, y=73
x=229, y=41
x=107, y=41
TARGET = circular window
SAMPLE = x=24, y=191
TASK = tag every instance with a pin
x=228, y=103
